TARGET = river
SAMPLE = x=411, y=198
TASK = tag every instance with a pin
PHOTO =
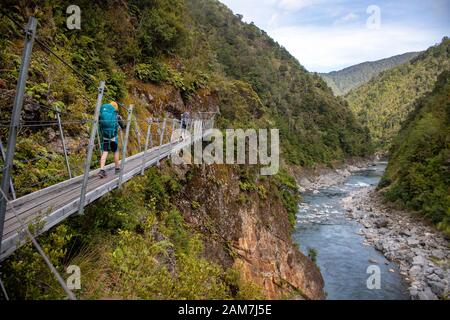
x=343, y=256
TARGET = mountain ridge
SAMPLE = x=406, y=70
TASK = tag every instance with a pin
x=347, y=79
x=418, y=174
x=385, y=101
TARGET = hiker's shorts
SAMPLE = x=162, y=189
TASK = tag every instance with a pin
x=109, y=145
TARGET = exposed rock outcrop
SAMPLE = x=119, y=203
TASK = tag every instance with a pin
x=254, y=235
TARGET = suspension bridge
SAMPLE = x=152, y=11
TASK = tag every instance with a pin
x=23, y=217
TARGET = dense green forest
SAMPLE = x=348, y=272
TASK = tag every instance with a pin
x=347, y=79
x=315, y=126
x=191, y=52
x=385, y=102
x=418, y=174
x=193, y=45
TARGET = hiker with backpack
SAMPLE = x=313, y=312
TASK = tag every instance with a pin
x=109, y=123
x=184, y=120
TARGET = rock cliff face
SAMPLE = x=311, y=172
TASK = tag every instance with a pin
x=249, y=231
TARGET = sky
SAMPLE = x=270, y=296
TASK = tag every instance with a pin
x=328, y=35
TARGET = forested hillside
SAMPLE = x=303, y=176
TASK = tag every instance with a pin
x=166, y=57
x=315, y=126
x=347, y=79
x=418, y=174
x=385, y=102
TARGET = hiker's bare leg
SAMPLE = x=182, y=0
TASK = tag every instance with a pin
x=116, y=159
x=103, y=159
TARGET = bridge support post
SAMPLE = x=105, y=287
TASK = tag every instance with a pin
x=30, y=34
x=137, y=131
x=11, y=185
x=173, y=129
x=147, y=139
x=61, y=133
x=124, y=146
x=190, y=126
x=161, y=140
x=87, y=167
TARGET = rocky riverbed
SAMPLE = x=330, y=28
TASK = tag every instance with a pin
x=422, y=252
x=315, y=179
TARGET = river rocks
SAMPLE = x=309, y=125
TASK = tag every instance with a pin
x=366, y=224
x=321, y=177
x=415, y=271
x=421, y=252
x=413, y=242
x=438, y=254
x=426, y=294
x=381, y=223
x=405, y=233
x=419, y=260
x=438, y=288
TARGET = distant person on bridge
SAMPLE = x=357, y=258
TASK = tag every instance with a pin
x=184, y=123
x=110, y=121
x=184, y=120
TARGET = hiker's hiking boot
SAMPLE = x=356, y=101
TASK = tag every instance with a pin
x=102, y=174
x=117, y=170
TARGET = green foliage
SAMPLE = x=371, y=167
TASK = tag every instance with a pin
x=190, y=45
x=251, y=187
x=274, y=89
x=25, y=274
x=384, y=103
x=352, y=77
x=312, y=254
x=160, y=187
x=290, y=194
x=136, y=263
x=127, y=245
x=242, y=290
x=161, y=29
x=155, y=72
x=418, y=172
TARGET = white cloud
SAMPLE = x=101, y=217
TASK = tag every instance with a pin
x=326, y=35
x=273, y=21
x=350, y=17
x=324, y=49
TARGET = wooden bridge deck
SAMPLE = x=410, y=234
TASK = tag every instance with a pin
x=47, y=207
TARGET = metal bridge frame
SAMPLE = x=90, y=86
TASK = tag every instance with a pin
x=150, y=156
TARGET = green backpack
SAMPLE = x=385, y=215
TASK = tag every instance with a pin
x=108, y=121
